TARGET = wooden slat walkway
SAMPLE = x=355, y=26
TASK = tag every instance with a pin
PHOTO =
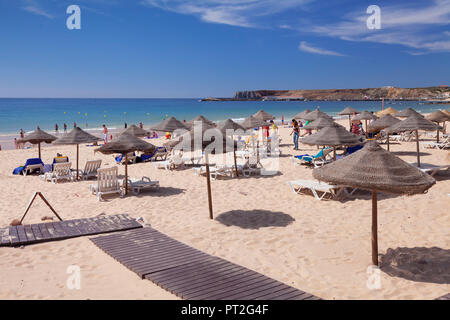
x=52, y=231
x=190, y=273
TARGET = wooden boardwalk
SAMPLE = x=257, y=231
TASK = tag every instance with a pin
x=51, y=231
x=190, y=273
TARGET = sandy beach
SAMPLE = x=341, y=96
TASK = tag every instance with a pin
x=321, y=247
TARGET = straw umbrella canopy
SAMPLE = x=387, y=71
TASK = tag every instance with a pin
x=205, y=122
x=169, y=125
x=262, y=115
x=37, y=137
x=125, y=144
x=210, y=141
x=438, y=116
x=446, y=112
x=252, y=122
x=332, y=136
x=383, y=123
x=406, y=113
x=375, y=169
x=348, y=111
x=75, y=137
x=302, y=114
x=415, y=122
x=320, y=123
x=313, y=115
x=135, y=131
x=386, y=111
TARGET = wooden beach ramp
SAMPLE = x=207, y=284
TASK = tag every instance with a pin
x=190, y=273
x=51, y=231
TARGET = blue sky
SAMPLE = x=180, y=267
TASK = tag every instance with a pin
x=199, y=48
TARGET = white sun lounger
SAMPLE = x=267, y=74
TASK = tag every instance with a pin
x=335, y=191
x=171, y=163
x=136, y=185
x=90, y=169
x=107, y=183
x=431, y=169
x=61, y=171
x=216, y=171
x=32, y=167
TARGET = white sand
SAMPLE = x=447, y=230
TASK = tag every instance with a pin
x=320, y=247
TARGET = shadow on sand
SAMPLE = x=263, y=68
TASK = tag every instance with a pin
x=255, y=219
x=418, y=264
x=410, y=153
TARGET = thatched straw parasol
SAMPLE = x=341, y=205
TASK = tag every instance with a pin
x=348, y=111
x=252, y=122
x=320, y=123
x=446, y=112
x=375, y=169
x=438, y=116
x=365, y=115
x=135, y=131
x=383, y=123
x=313, y=115
x=229, y=125
x=386, y=111
x=210, y=141
x=125, y=144
x=302, y=114
x=169, y=125
x=262, y=115
x=77, y=136
x=414, y=122
x=332, y=136
x=205, y=122
x=37, y=137
x=406, y=113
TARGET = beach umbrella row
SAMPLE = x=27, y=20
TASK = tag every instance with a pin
x=377, y=170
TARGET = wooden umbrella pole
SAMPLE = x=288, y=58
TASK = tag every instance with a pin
x=350, y=122
x=418, y=151
x=39, y=149
x=388, y=142
x=126, y=173
x=437, y=137
x=366, y=128
x=374, y=228
x=235, y=163
x=334, y=153
x=208, y=185
x=78, y=150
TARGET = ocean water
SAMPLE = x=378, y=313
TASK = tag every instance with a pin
x=90, y=114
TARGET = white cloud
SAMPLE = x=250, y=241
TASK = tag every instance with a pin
x=406, y=26
x=243, y=13
x=303, y=46
x=34, y=8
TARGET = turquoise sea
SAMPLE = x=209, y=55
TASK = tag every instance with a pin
x=90, y=114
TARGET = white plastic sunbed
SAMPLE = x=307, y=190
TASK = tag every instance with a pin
x=90, y=169
x=61, y=171
x=429, y=168
x=136, y=185
x=171, y=163
x=107, y=183
x=335, y=191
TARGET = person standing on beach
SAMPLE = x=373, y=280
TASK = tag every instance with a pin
x=141, y=125
x=15, y=143
x=105, y=134
x=56, y=128
x=125, y=125
x=65, y=128
x=22, y=134
x=74, y=124
x=282, y=120
x=295, y=132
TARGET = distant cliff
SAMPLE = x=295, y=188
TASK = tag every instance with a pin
x=441, y=92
